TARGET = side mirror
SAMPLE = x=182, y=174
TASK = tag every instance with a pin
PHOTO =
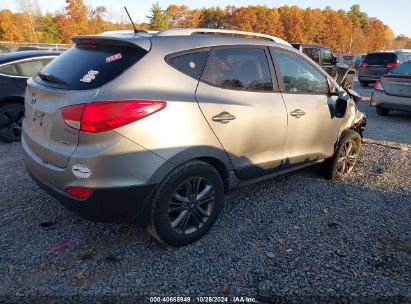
x=341, y=104
x=354, y=95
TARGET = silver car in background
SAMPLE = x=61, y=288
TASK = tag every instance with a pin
x=393, y=91
x=155, y=128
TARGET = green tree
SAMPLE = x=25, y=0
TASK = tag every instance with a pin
x=50, y=29
x=158, y=18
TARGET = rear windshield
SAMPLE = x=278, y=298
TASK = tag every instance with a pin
x=84, y=68
x=380, y=59
x=403, y=69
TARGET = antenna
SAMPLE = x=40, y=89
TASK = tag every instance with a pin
x=135, y=29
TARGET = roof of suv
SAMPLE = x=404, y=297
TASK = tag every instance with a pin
x=230, y=35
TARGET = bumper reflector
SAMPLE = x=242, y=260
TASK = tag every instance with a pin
x=80, y=192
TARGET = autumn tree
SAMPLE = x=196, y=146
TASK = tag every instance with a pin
x=213, y=17
x=158, y=18
x=292, y=19
x=8, y=29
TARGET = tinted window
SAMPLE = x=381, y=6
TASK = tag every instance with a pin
x=298, y=76
x=29, y=68
x=327, y=57
x=190, y=64
x=9, y=69
x=380, y=59
x=403, y=69
x=84, y=68
x=239, y=68
x=314, y=54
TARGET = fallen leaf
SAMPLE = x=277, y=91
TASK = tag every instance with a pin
x=270, y=254
x=283, y=249
x=239, y=278
x=328, y=252
x=281, y=242
x=226, y=288
x=296, y=227
x=79, y=275
x=221, y=253
x=356, y=274
x=88, y=253
x=316, y=270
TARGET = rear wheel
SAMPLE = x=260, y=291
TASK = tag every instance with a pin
x=364, y=84
x=11, y=117
x=187, y=204
x=382, y=111
x=342, y=163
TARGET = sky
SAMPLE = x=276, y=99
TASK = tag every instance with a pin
x=394, y=13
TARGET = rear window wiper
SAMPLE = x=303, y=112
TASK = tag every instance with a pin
x=51, y=78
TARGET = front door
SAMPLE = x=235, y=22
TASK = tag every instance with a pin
x=312, y=128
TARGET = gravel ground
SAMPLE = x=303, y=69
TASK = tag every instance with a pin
x=298, y=235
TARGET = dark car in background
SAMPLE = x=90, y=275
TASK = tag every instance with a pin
x=393, y=90
x=358, y=60
x=15, y=69
x=377, y=64
x=323, y=55
x=346, y=59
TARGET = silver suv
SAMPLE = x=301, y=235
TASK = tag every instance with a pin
x=155, y=128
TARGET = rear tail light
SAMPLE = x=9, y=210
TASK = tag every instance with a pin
x=88, y=42
x=80, y=192
x=378, y=86
x=363, y=65
x=103, y=116
x=393, y=65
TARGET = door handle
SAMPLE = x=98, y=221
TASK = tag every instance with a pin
x=297, y=113
x=223, y=117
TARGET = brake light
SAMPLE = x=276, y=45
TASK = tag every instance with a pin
x=88, y=42
x=363, y=65
x=378, y=86
x=80, y=192
x=393, y=65
x=103, y=116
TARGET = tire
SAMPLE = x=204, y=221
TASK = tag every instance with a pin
x=11, y=117
x=342, y=163
x=364, y=84
x=192, y=217
x=382, y=111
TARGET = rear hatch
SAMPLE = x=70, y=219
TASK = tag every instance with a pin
x=398, y=81
x=72, y=78
x=377, y=64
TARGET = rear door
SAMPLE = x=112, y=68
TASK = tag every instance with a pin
x=239, y=98
x=312, y=129
x=72, y=78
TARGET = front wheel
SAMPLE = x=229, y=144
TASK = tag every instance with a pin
x=342, y=163
x=11, y=117
x=187, y=204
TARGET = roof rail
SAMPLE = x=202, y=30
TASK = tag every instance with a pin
x=192, y=31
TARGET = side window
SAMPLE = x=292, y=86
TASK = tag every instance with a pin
x=298, y=76
x=327, y=57
x=190, y=64
x=314, y=54
x=29, y=68
x=239, y=69
x=9, y=69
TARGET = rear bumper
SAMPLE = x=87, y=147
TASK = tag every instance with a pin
x=383, y=100
x=116, y=205
x=367, y=78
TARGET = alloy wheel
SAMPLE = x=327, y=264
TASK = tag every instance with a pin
x=11, y=123
x=348, y=157
x=191, y=205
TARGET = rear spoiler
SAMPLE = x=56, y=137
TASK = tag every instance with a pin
x=95, y=40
